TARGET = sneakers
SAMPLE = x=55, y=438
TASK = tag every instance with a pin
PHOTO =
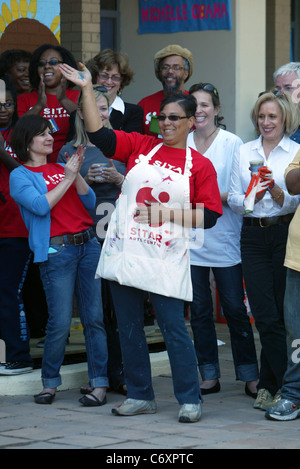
x=15, y=368
x=265, y=400
x=283, y=410
x=189, y=413
x=135, y=407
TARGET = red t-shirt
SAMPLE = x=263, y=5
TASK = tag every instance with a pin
x=11, y=222
x=69, y=214
x=203, y=180
x=53, y=111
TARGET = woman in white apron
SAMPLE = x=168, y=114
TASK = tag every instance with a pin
x=168, y=189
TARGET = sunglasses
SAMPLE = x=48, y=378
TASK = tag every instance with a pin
x=52, y=62
x=100, y=88
x=210, y=87
x=6, y=105
x=171, y=118
x=275, y=92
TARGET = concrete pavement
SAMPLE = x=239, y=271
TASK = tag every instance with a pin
x=228, y=420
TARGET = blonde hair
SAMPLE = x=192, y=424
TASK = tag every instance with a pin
x=290, y=111
x=81, y=137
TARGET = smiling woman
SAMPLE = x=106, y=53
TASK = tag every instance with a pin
x=54, y=201
x=264, y=230
x=163, y=187
x=52, y=95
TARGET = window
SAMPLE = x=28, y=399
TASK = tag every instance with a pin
x=110, y=24
x=295, y=31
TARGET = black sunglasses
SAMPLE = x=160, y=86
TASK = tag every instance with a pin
x=171, y=118
x=210, y=87
x=52, y=62
x=100, y=88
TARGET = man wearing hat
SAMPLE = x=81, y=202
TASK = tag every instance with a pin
x=173, y=66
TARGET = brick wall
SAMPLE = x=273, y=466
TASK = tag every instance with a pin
x=80, y=27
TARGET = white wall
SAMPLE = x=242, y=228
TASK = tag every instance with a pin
x=232, y=60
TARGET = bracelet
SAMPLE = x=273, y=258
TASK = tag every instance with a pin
x=271, y=186
x=121, y=182
x=278, y=196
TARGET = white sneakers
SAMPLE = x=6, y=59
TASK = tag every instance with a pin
x=135, y=407
x=188, y=413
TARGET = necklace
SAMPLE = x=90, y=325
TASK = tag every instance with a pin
x=203, y=146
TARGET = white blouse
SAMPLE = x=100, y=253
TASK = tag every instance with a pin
x=278, y=160
x=221, y=243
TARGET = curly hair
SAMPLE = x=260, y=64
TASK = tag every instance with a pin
x=66, y=55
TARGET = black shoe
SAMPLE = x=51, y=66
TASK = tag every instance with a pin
x=86, y=401
x=212, y=390
x=250, y=393
x=44, y=398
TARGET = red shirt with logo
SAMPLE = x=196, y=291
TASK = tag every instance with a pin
x=53, y=111
x=69, y=214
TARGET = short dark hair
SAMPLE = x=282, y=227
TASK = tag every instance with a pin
x=9, y=57
x=66, y=55
x=27, y=127
x=186, y=101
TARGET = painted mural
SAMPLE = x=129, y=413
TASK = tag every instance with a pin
x=45, y=11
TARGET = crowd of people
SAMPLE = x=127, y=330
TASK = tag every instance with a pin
x=116, y=204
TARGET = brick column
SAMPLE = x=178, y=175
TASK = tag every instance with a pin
x=80, y=27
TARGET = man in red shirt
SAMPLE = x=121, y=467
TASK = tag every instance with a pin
x=173, y=66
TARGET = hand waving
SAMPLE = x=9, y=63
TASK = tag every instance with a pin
x=79, y=77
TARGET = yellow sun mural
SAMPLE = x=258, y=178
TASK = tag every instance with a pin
x=32, y=9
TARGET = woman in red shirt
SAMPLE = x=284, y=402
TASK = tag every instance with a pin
x=52, y=96
x=146, y=246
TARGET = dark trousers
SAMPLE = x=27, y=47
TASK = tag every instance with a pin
x=229, y=282
x=14, y=259
x=263, y=253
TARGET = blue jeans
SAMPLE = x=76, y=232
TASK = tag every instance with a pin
x=291, y=380
x=71, y=269
x=229, y=281
x=129, y=307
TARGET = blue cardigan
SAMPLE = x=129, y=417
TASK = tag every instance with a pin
x=28, y=189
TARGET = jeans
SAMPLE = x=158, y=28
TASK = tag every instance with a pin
x=291, y=381
x=229, y=281
x=72, y=269
x=263, y=253
x=14, y=260
x=129, y=307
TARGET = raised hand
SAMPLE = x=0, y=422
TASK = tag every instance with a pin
x=78, y=77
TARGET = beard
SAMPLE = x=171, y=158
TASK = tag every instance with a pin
x=171, y=89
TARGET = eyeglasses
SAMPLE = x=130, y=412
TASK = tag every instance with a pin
x=106, y=77
x=100, y=88
x=7, y=105
x=209, y=87
x=52, y=62
x=171, y=118
x=167, y=68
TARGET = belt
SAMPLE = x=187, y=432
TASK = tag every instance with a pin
x=268, y=221
x=76, y=238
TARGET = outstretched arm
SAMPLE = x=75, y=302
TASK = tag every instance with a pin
x=83, y=79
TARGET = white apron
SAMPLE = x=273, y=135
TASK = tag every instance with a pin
x=151, y=258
